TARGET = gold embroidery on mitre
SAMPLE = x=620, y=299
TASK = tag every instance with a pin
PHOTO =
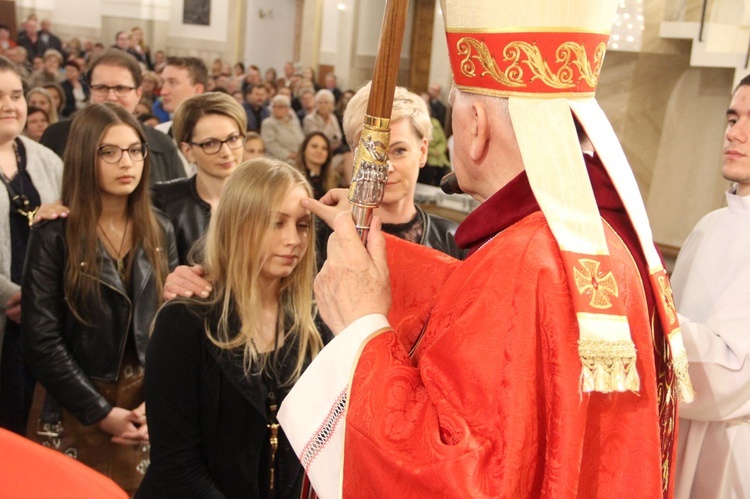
x=569, y=55
x=665, y=292
x=468, y=68
x=589, y=280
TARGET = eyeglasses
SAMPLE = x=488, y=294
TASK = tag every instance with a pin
x=113, y=154
x=213, y=146
x=103, y=90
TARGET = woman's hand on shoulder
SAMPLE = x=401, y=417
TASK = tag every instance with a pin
x=51, y=211
x=186, y=281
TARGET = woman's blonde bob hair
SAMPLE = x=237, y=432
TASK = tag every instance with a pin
x=235, y=246
x=406, y=106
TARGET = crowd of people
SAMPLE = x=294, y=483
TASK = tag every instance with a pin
x=174, y=238
x=121, y=164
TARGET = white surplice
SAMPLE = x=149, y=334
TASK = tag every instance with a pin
x=711, y=284
x=313, y=414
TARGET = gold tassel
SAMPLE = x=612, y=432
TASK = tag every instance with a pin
x=684, y=386
x=608, y=366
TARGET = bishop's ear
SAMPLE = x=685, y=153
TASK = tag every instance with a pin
x=480, y=130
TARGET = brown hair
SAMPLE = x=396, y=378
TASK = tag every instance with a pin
x=195, y=107
x=196, y=68
x=330, y=177
x=120, y=58
x=80, y=192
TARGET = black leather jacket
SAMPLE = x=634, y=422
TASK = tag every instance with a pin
x=67, y=355
x=189, y=214
x=439, y=233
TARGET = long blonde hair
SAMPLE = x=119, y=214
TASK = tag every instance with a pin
x=235, y=244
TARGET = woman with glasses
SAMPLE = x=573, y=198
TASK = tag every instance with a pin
x=210, y=129
x=91, y=288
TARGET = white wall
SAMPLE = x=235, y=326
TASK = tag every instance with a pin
x=440, y=66
x=269, y=42
x=216, y=31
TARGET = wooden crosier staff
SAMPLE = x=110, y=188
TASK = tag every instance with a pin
x=370, y=174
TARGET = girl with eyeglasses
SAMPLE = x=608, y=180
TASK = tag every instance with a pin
x=218, y=369
x=91, y=288
x=210, y=129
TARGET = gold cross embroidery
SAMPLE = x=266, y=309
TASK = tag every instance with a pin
x=667, y=298
x=589, y=279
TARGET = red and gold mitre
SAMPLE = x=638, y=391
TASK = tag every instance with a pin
x=545, y=57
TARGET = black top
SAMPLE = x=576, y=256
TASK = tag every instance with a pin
x=207, y=419
x=164, y=160
x=189, y=214
x=66, y=354
x=424, y=228
x=20, y=184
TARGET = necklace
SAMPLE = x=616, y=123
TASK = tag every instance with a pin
x=19, y=201
x=119, y=260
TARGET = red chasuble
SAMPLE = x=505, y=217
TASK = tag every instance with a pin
x=476, y=393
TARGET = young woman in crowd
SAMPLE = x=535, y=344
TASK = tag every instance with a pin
x=31, y=176
x=218, y=369
x=37, y=122
x=141, y=47
x=41, y=98
x=210, y=129
x=58, y=96
x=314, y=160
x=91, y=288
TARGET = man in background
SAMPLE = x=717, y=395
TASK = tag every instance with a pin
x=115, y=76
x=256, y=107
x=182, y=77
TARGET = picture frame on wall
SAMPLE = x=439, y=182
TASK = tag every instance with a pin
x=196, y=12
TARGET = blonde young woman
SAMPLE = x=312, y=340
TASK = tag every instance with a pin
x=210, y=129
x=218, y=369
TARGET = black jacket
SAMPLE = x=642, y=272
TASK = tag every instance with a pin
x=438, y=233
x=207, y=418
x=189, y=214
x=165, y=163
x=67, y=355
